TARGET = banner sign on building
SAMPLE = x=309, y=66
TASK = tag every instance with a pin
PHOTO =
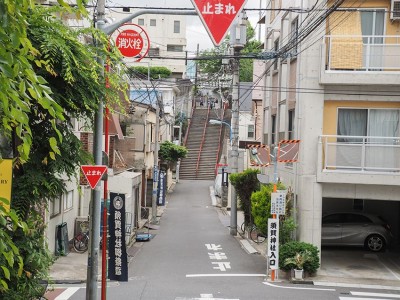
x=278, y=203
x=5, y=182
x=118, y=260
x=162, y=183
x=273, y=243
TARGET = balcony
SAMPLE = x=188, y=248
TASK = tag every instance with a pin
x=359, y=160
x=360, y=60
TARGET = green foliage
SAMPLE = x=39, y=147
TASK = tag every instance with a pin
x=290, y=249
x=170, y=152
x=245, y=184
x=11, y=261
x=25, y=281
x=286, y=228
x=143, y=72
x=299, y=259
x=213, y=65
x=47, y=77
x=261, y=206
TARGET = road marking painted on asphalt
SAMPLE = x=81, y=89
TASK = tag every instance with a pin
x=298, y=288
x=67, y=293
x=225, y=275
x=390, y=271
x=375, y=295
x=357, y=298
x=205, y=297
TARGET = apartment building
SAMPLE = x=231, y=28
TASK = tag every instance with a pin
x=335, y=86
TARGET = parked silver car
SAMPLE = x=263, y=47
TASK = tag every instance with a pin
x=355, y=229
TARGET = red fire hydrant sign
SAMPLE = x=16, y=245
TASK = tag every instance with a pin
x=132, y=41
x=129, y=43
x=217, y=16
x=93, y=174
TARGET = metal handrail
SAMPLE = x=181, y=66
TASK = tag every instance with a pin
x=360, y=147
x=189, y=123
x=219, y=141
x=202, y=140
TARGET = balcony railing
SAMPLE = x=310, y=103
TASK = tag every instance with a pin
x=360, y=154
x=362, y=53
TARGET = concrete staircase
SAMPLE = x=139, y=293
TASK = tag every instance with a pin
x=209, y=152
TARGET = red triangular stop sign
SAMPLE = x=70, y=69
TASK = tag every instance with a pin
x=217, y=16
x=93, y=174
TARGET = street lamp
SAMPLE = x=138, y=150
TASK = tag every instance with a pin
x=219, y=122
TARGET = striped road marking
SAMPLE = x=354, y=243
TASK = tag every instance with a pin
x=364, y=294
x=224, y=275
x=67, y=293
x=205, y=297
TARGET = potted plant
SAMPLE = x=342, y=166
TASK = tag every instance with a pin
x=297, y=262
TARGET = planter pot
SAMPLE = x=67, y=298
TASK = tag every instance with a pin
x=298, y=274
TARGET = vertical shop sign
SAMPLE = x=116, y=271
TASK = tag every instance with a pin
x=161, y=189
x=5, y=182
x=118, y=262
x=273, y=243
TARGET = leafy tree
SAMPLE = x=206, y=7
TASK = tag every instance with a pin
x=245, y=184
x=213, y=65
x=170, y=152
x=143, y=72
x=48, y=77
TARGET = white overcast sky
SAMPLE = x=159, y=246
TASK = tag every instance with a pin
x=195, y=31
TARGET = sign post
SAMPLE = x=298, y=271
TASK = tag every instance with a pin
x=217, y=16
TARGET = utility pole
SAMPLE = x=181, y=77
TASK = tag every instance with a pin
x=238, y=40
x=155, y=167
x=95, y=205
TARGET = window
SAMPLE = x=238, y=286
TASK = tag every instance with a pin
x=372, y=27
x=291, y=124
x=68, y=200
x=273, y=129
x=294, y=33
x=55, y=207
x=355, y=218
x=175, y=48
x=153, y=22
x=250, y=131
x=154, y=52
x=368, y=122
x=177, y=26
x=374, y=152
x=140, y=22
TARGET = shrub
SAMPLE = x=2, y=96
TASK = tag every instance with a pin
x=261, y=206
x=170, y=152
x=290, y=249
x=245, y=184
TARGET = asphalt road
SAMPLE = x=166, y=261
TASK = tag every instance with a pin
x=192, y=256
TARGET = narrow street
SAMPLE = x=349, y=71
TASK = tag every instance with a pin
x=192, y=256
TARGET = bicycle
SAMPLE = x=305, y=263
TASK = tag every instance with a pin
x=256, y=235
x=81, y=240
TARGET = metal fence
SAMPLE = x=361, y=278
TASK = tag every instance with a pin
x=363, y=52
x=361, y=153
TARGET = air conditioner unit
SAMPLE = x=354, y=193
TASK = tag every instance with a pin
x=395, y=10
